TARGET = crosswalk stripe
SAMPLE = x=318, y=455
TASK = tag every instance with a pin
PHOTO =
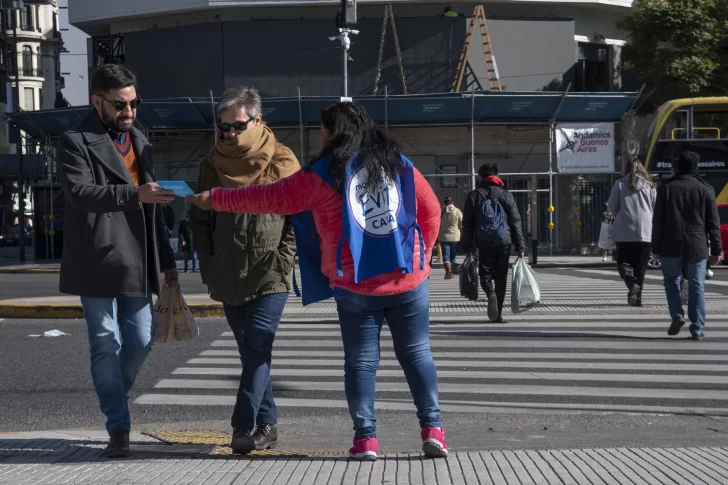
x=446, y=406
x=603, y=358
x=464, y=374
x=498, y=364
x=692, y=357
x=667, y=344
x=647, y=277
x=469, y=388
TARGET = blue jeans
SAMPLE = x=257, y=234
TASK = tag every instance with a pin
x=694, y=270
x=449, y=251
x=408, y=317
x=254, y=325
x=120, y=336
x=193, y=256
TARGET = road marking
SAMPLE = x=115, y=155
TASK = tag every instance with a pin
x=680, y=342
x=446, y=406
x=692, y=357
x=710, y=282
x=464, y=374
x=439, y=362
x=467, y=388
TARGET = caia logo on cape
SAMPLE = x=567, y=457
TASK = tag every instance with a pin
x=374, y=211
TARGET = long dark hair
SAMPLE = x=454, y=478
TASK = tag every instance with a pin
x=635, y=170
x=352, y=130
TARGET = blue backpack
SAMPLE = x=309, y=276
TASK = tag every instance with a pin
x=492, y=222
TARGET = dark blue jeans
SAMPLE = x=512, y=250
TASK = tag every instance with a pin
x=694, y=270
x=408, y=318
x=254, y=326
x=449, y=251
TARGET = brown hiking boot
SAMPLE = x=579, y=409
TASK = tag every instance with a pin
x=448, y=272
x=265, y=437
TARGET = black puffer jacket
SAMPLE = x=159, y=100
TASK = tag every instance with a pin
x=470, y=214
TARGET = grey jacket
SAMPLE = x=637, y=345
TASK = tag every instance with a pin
x=632, y=210
x=113, y=245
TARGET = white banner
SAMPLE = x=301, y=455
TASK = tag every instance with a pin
x=585, y=148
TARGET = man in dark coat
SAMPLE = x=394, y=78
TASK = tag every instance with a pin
x=494, y=253
x=114, y=241
x=685, y=219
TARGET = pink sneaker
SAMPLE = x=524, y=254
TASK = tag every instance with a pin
x=364, y=449
x=433, y=442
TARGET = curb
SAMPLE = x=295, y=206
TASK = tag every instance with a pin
x=74, y=311
x=29, y=271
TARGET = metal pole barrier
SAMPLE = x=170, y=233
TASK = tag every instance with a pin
x=472, y=141
x=534, y=219
x=300, y=122
x=386, y=109
x=551, y=187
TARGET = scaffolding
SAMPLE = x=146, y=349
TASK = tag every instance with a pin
x=179, y=116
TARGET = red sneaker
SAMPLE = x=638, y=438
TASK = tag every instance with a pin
x=364, y=449
x=433, y=442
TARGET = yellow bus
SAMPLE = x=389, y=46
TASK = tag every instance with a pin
x=699, y=125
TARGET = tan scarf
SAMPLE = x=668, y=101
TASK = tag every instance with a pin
x=252, y=157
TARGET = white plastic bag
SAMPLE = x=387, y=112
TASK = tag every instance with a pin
x=606, y=237
x=525, y=293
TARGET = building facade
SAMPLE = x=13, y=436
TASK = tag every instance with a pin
x=31, y=47
x=189, y=48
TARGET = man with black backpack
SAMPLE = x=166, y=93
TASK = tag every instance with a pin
x=492, y=225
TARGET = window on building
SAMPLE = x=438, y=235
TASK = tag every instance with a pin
x=55, y=26
x=28, y=99
x=37, y=17
x=593, y=69
x=12, y=59
x=40, y=98
x=27, y=61
x=26, y=18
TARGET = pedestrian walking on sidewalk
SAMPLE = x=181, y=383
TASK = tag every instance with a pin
x=114, y=241
x=365, y=226
x=492, y=226
x=632, y=202
x=685, y=220
x=451, y=223
x=246, y=260
x=185, y=242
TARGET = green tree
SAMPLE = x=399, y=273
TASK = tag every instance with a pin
x=679, y=47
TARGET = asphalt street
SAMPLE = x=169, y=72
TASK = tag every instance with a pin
x=537, y=382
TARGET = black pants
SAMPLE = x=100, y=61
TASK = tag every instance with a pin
x=493, y=270
x=632, y=258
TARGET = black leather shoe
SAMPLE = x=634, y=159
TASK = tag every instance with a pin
x=118, y=446
x=242, y=442
x=265, y=437
x=676, y=326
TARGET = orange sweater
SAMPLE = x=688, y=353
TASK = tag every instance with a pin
x=123, y=145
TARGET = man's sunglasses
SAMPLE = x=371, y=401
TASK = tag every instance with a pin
x=239, y=126
x=121, y=105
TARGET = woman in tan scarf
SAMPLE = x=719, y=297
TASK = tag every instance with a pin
x=246, y=260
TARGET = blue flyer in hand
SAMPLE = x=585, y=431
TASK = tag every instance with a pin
x=179, y=187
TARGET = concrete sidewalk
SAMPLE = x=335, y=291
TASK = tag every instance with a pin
x=73, y=457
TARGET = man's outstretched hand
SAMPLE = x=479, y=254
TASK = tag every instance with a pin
x=202, y=200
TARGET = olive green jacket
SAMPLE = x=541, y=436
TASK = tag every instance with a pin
x=242, y=256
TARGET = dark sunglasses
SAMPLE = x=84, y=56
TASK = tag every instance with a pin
x=121, y=105
x=239, y=126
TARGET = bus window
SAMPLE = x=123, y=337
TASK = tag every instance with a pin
x=675, y=127
x=723, y=214
x=710, y=122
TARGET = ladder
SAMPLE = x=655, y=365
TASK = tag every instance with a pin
x=494, y=83
x=389, y=16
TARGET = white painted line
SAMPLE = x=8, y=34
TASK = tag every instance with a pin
x=445, y=406
x=496, y=355
x=653, y=331
x=680, y=342
x=711, y=282
x=495, y=364
x=463, y=374
x=466, y=388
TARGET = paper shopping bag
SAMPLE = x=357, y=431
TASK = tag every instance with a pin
x=185, y=327
x=163, y=308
